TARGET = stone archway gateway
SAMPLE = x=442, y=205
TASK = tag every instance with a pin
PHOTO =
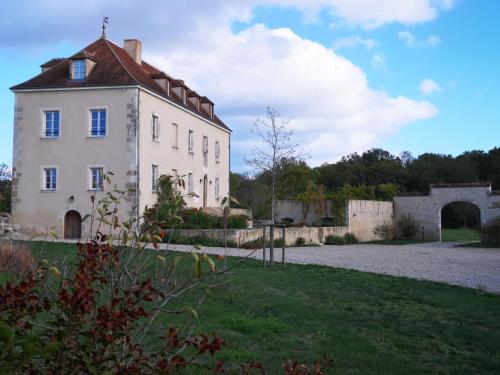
x=426, y=208
x=72, y=225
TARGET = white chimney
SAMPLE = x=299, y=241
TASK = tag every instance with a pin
x=134, y=49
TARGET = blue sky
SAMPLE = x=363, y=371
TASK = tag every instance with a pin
x=350, y=75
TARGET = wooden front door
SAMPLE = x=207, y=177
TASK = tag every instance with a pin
x=72, y=225
x=205, y=190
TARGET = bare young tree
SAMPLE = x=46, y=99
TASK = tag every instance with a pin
x=276, y=146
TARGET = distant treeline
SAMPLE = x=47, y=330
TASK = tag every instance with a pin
x=375, y=174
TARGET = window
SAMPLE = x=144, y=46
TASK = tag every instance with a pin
x=190, y=141
x=51, y=124
x=205, y=151
x=97, y=178
x=50, y=179
x=217, y=151
x=175, y=139
x=78, y=69
x=217, y=188
x=155, y=128
x=154, y=177
x=190, y=183
x=205, y=144
x=98, y=123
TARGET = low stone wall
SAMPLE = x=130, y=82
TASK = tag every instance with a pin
x=365, y=216
x=314, y=235
x=361, y=216
x=302, y=213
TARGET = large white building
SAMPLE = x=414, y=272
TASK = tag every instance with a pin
x=105, y=109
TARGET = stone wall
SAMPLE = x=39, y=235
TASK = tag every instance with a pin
x=301, y=213
x=426, y=209
x=364, y=216
x=361, y=216
x=313, y=235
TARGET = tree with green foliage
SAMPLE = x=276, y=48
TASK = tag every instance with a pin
x=170, y=202
x=5, y=188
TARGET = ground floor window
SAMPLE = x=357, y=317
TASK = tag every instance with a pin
x=154, y=177
x=190, y=183
x=97, y=178
x=50, y=178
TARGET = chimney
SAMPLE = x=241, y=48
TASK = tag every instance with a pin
x=134, y=49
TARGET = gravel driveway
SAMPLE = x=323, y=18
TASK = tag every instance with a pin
x=436, y=261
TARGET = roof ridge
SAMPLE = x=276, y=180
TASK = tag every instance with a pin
x=120, y=61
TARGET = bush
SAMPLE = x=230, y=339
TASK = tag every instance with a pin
x=334, y=240
x=15, y=258
x=407, y=227
x=350, y=238
x=384, y=231
x=169, y=202
x=194, y=218
x=288, y=221
x=278, y=242
x=327, y=222
x=254, y=244
x=300, y=241
x=490, y=232
x=237, y=222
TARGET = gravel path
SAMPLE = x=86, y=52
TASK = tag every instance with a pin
x=436, y=261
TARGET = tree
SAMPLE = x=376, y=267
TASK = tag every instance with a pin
x=276, y=147
x=5, y=188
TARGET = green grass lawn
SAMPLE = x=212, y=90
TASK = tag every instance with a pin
x=368, y=323
x=460, y=235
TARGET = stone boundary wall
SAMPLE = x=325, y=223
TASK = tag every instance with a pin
x=426, y=210
x=315, y=235
x=301, y=213
x=364, y=216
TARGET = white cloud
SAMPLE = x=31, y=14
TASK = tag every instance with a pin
x=433, y=40
x=413, y=42
x=354, y=41
x=332, y=109
x=444, y=4
x=31, y=23
x=378, y=60
x=428, y=86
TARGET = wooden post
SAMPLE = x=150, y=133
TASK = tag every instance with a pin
x=264, y=246
x=283, y=233
x=271, y=244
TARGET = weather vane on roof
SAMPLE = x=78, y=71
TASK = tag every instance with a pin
x=104, y=23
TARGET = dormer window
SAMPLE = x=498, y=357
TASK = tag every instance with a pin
x=79, y=69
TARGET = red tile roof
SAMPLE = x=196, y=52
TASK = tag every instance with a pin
x=52, y=62
x=114, y=67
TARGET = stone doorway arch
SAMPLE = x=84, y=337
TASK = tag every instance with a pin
x=426, y=208
x=459, y=215
x=72, y=225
